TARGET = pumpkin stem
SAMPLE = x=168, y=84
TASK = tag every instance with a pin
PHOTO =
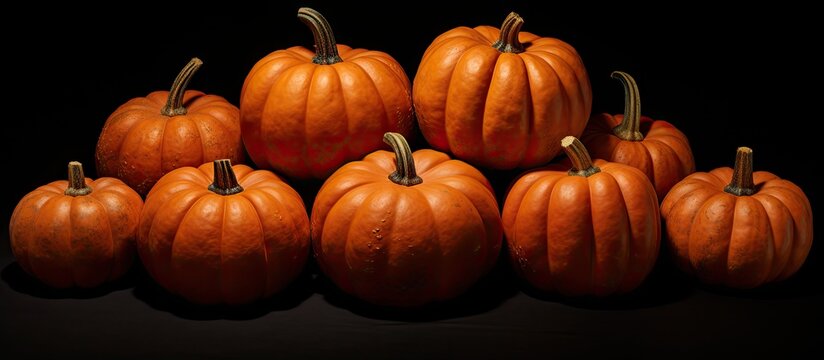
x=405, y=173
x=629, y=128
x=581, y=162
x=326, y=51
x=77, y=181
x=225, y=182
x=742, y=182
x=508, y=42
x=174, y=104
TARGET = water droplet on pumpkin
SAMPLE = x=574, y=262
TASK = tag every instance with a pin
x=369, y=244
x=379, y=236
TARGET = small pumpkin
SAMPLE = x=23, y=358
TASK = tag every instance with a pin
x=405, y=229
x=736, y=227
x=590, y=230
x=655, y=147
x=147, y=137
x=79, y=232
x=500, y=98
x=305, y=113
x=223, y=234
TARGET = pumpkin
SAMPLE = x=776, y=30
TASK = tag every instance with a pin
x=405, y=229
x=79, y=232
x=149, y=136
x=500, y=98
x=305, y=113
x=655, y=147
x=593, y=229
x=223, y=234
x=738, y=228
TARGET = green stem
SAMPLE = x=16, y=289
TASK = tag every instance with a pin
x=405, y=173
x=77, y=181
x=629, y=128
x=581, y=161
x=326, y=51
x=225, y=182
x=508, y=42
x=742, y=182
x=174, y=104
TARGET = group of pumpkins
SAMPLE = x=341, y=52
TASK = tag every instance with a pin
x=401, y=228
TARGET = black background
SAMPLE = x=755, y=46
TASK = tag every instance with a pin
x=727, y=78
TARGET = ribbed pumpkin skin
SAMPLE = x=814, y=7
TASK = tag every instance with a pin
x=500, y=110
x=305, y=120
x=138, y=144
x=395, y=245
x=738, y=241
x=82, y=241
x=596, y=235
x=232, y=249
x=664, y=154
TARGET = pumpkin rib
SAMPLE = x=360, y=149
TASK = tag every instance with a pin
x=174, y=281
x=793, y=264
x=480, y=219
x=725, y=235
x=446, y=119
x=356, y=281
x=778, y=205
x=627, y=283
x=734, y=240
x=26, y=259
x=60, y=261
x=246, y=196
x=385, y=121
x=437, y=248
x=552, y=182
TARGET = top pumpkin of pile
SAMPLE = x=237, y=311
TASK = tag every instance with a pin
x=304, y=113
x=501, y=98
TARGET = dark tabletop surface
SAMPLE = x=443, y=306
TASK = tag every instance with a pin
x=725, y=79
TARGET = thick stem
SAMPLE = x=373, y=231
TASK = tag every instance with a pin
x=405, y=173
x=742, y=183
x=77, y=181
x=174, y=104
x=326, y=51
x=629, y=128
x=508, y=42
x=581, y=162
x=225, y=182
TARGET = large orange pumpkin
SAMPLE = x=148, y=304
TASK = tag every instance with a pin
x=737, y=228
x=501, y=98
x=304, y=113
x=150, y=136
x=79, y=232
x=591, y=230
x=655, y=147
x=405, y=229
x=216, y=239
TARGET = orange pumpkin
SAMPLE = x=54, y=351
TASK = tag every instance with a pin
x=304, y=113
x=737, y=228
x=79, y=232
x=216, y=239
x=501, y=98
x=150, y=136
x=591, y=230
x=405, y=229
x=655, y=147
